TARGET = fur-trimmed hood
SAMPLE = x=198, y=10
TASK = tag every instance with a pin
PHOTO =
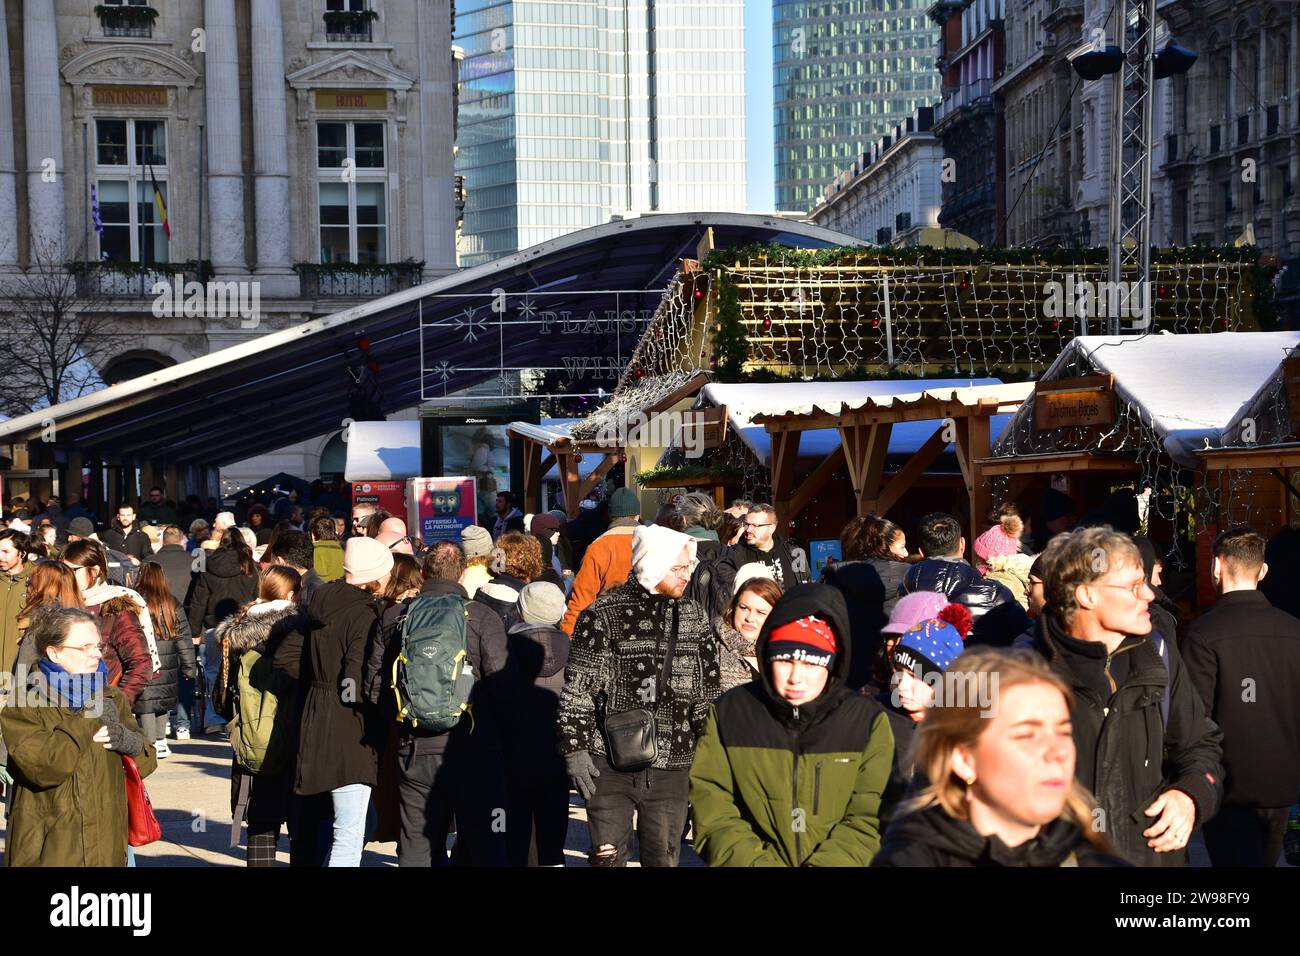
x=257, y=624
x=1017, y=564
x=118, y=605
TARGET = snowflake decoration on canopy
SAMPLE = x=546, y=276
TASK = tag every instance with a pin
x=469, y=321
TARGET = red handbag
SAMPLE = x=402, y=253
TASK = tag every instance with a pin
x=142, y=826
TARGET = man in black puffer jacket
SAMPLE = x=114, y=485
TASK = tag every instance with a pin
x=1146, y=747
x=998, y=618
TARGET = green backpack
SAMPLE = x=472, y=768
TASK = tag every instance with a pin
x=262, y=693
x=432, y=676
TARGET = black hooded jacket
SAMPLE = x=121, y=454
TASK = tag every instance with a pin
x=870, y=590
x=930, y=837
x=1128, y=751
x=538, y=654
x=220, y=591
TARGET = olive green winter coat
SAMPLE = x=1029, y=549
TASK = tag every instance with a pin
x=69, y=806
x=776, y=785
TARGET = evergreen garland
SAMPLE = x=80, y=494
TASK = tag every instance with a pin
x=730, y=342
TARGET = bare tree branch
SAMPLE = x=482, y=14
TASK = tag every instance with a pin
x=53, y=334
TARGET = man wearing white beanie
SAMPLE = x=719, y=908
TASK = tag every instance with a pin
x=621, y=648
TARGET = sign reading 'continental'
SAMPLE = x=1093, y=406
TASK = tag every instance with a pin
x=129, y=95
x=351, y=99
x=1074, y=402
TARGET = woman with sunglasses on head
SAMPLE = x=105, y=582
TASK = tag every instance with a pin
x=65, y=751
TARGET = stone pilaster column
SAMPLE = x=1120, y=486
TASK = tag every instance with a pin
x=273, y=213
x=225, y=175
x=44, y=130
x=8, y=184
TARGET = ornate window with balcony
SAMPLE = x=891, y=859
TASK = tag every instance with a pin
x=131, y=189
x=126, y=18
x=349, y=21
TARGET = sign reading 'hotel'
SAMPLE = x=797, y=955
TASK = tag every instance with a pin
x=129, y=95
x=351, y=99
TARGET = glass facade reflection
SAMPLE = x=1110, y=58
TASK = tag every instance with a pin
x=845, y=72
x=572, y=112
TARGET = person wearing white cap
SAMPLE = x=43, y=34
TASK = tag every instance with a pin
x=336, y=752
x=616, y=693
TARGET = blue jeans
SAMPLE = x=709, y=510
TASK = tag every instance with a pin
x=352, y=814
x=130, y=855
x=184, y=702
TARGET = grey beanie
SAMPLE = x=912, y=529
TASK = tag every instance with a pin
x=541, y=603
x=476, y=541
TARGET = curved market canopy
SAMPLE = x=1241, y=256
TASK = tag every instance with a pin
x=291, y=384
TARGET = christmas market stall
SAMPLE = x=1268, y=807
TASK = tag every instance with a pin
x=1201, y=420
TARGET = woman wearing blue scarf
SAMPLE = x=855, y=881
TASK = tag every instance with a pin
x=66, y=730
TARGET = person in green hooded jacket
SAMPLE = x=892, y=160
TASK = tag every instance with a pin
x=792, y=766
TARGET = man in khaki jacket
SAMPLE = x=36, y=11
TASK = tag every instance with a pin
x=608, y=560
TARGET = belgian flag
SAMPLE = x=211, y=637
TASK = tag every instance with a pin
x=161, y=204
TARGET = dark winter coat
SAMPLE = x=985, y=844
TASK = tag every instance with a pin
x=1127, y=754
x=338, y=744
x=538, y=655
x=618, y=642
x=177, y=655
x=930, y=837
x=126, y=650
x=69, y=805
x=870, y=590
x=220, y=591
x=501, y=594
x=903, y=776
x=178, y=566
x=763, y=763
x=13, y=595
x=1243, y=656
x=998, y=619
x=707, y=546
x=490, y=699
x=131, y=541
x=160, y=514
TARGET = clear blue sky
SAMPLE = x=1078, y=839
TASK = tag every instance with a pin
x=758, y=106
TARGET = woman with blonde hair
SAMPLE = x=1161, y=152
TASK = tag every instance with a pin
x=1001, y=758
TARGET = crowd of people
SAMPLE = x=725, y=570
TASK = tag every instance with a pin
x=1041, y=706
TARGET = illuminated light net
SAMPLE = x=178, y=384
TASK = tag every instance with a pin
x=853, y=314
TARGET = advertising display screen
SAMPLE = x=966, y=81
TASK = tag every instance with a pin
x=440, y=508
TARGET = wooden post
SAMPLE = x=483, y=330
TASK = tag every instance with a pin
x=569, y=481
x=172, y=486
x=973, y=445
x=95, y=493
x=532, y=475
x=785, y=450
x=113, y=493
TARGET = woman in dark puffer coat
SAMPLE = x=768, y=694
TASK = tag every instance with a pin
x=175, y=650
x=875, y=552
x=228, y=582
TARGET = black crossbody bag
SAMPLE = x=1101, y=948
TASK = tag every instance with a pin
x=631, y=738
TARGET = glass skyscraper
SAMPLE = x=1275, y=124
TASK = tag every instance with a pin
x=573, y=111
x=845, y=72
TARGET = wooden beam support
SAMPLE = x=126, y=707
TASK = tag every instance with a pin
x=911, y=471
x=597, y=474
x=972, y=447
x=532, y=476
x=569, y=482
x=809, y=487
x=785, y=449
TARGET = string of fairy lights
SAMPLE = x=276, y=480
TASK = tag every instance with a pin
x=902, y=313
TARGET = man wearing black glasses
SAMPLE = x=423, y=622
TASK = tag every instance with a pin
x=761, y=544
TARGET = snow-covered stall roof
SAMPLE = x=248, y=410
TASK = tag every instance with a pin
x=745, y=402
x=1192, y=390
x=551, y=430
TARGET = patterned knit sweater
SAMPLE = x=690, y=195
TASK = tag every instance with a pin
x=618, y=647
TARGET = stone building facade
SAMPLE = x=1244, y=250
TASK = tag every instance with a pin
x=969, y=119
x=301, y=148
x=893, y=191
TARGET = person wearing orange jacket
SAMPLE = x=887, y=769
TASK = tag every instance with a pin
x=608, y=560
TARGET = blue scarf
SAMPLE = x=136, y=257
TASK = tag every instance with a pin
x=73, y=690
